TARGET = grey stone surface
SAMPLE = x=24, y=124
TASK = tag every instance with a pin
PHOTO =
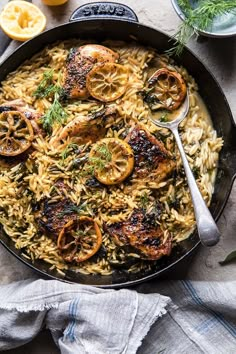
x=220, y=56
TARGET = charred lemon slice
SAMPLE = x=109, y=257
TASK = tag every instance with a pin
x=22, y=20
x=16, y=133
x=112, y=159
x=79, y=239
x=107, y=82
x=169, y=89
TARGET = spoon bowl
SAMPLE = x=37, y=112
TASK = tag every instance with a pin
x=207, y=229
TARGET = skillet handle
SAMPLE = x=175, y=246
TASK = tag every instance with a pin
x=104, y=10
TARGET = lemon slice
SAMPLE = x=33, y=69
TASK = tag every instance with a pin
x=22, y=20
x=169, y=89
x=107, y=82
x=79, y=239
x=112, y=159
x=16, y=133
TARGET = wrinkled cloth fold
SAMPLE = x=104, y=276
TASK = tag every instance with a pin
x=82, y=319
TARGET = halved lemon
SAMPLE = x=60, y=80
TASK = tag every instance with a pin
x=169, y=89
x=112, y=159
x=16, y=133
x=79, y=239
x=54, y=2
x=22, y=20
x=107, y=82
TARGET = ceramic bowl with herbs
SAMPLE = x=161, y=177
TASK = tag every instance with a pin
x=212, y=18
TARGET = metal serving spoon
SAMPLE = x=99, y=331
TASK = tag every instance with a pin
x=207, y=229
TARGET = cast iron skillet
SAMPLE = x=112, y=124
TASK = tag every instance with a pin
x=102, y=21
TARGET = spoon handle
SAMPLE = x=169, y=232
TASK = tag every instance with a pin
x=207, y=229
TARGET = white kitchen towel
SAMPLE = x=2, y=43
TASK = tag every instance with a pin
x=82, y=319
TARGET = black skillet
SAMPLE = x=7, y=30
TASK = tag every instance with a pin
x=100, y=21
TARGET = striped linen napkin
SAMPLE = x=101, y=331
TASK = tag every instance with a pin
x=202, y=320
x=82, y=319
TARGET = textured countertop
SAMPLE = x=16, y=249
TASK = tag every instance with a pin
x=220, y=56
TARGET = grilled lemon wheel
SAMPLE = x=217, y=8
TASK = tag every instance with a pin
x=79, y=239
x=22, y=20
x=16, y=133
x=112, y=159
x=169, y=89
x=107, y=82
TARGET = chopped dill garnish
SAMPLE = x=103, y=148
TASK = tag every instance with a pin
x=71, y=209
x=144, y=199
x=69, y=148
x=200, y=17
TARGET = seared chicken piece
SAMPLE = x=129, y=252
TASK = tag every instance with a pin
x=21, y=106
x=143, y=233
x=53, y=216
x=86, y=128
x=149, y=153
x=78, y=64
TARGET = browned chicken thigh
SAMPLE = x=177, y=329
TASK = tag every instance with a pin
x=79, y=63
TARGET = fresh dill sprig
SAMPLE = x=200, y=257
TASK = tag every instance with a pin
x=55, y=113
x=71, y=209
x=104, y=153
x=69, y=148
x=200, y=18
x=46, y=86
x=99, y=162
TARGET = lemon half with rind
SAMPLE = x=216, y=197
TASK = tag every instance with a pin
x=113, y=160
x=21, y=20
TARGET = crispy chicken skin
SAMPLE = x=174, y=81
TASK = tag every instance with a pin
x=86, y=128
x=52, y=216
x=78, y=64
x=149, y=153
x=143, y=233
x=21, y=106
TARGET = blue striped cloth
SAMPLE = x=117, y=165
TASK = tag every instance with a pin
x=82, y=319
x=202, y=320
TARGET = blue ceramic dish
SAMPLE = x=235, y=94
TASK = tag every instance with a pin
x=222, y=26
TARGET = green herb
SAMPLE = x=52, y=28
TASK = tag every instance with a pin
x=144, y=199
x=229, y=259
x=164, y=117
x=69, y=148
x=196, y=172
x=104, y=153
x=46, y=86
x=55, y=113
x=200, y=18
x=71, y=209
x=100, y=161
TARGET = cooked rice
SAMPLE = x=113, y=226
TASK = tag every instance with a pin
x=28, y=183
